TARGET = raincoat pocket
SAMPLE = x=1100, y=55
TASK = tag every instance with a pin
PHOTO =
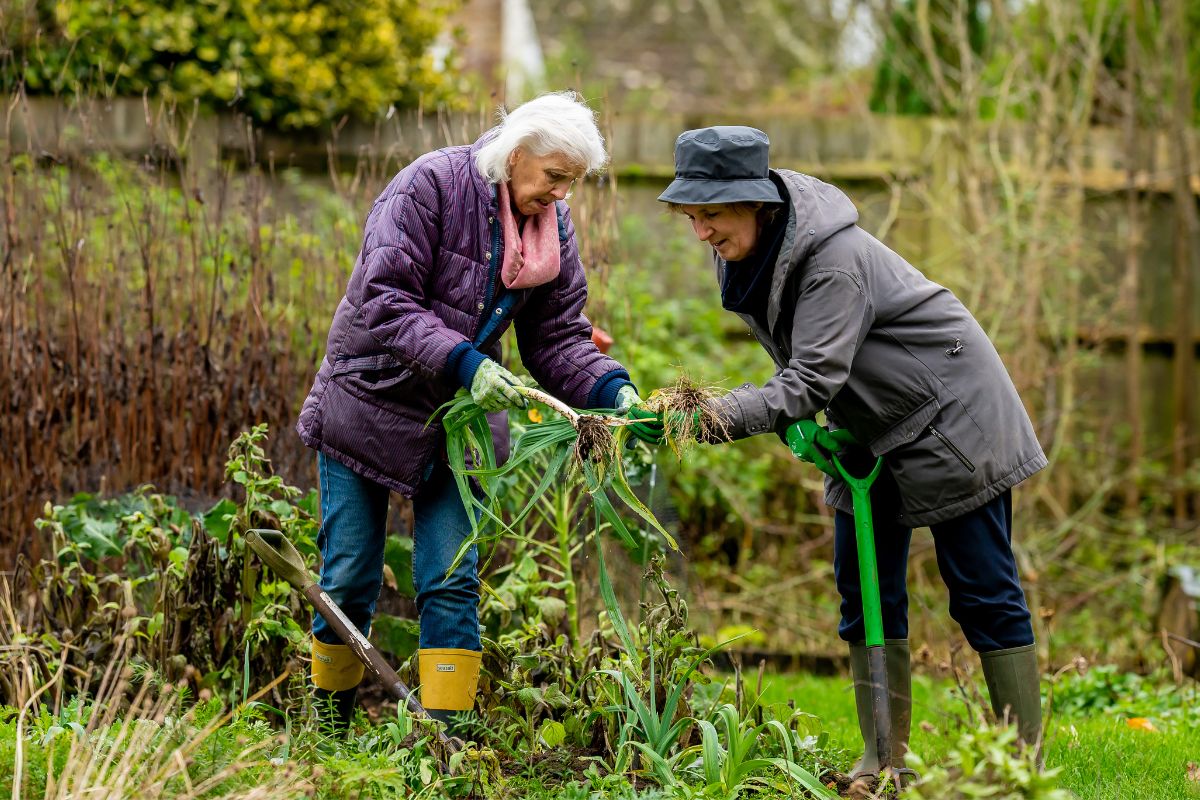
x=907, y=429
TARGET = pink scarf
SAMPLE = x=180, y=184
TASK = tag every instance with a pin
x=531, y=258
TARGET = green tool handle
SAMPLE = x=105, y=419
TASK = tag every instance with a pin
x=864, y=536
x=868, y=578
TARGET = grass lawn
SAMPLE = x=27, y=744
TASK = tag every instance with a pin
x=1100, y=755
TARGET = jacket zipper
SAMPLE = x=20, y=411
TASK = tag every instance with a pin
x=966, y=462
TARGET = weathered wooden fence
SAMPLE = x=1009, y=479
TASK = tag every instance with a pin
x=898, y=168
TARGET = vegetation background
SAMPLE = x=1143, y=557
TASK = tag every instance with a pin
x=183, y=189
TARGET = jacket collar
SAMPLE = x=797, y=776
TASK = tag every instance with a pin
x=485, y=189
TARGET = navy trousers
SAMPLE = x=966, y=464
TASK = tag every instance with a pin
x=975, y=558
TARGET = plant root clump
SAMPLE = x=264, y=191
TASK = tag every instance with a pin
x=688, y=413
x=595, y=442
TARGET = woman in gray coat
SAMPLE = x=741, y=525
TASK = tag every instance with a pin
x=898, y=364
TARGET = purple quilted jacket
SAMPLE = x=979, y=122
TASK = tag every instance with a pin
x=422, y=286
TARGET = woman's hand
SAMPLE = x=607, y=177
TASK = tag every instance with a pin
x=812, y=443
x=494, y=388
x=627, y=398
x=648, y=428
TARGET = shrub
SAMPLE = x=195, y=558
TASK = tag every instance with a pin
x=287, y=63
x=985, y=762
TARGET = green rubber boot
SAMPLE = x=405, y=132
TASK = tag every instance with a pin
x=899, y=671
x=1013, y=680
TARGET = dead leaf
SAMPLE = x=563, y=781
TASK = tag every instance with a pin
x=1193, y=772
x=389, y=577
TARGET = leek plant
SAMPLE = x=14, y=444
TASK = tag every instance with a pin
x=554, y=460
x=572, y=448
x=729, y=770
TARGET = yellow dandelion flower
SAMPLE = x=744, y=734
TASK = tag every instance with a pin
x=534, y=415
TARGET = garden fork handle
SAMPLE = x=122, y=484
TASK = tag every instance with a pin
x=872, y=608
x=864, y=535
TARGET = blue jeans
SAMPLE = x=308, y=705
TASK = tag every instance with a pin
x=351, y=541
x=975, y=558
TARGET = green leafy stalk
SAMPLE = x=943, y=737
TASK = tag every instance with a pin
x=472, y=457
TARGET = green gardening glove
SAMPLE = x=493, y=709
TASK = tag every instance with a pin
x=812, y=443
x=649, y=425
x=494, y=388
x=627, y=398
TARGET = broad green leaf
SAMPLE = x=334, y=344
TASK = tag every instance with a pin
x=395, y=635
x=621, y=486
x=398, y=555
x=218, y=519
x=552, y=733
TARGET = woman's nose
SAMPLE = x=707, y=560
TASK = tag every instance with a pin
x=702, y=230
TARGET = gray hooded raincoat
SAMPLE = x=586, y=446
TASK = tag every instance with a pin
x=893, y=357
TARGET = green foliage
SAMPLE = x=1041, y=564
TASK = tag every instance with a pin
x=1112, y=692
x=555, y=447
x=179, y=584
x=268, y=501
x=289, y=63
x=733, y=760
x=209, y=254
x=155, y=749
x=985, y=762
x=393, y=759
x=905, y=80
x=630, y=687
x=143, y=526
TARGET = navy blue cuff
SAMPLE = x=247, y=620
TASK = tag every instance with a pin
x=463, y=363
x=608, y=386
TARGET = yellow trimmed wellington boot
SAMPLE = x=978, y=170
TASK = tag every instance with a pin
x=449, y=678
x=336, y=673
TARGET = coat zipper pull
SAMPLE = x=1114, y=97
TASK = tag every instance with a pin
x=941, y=437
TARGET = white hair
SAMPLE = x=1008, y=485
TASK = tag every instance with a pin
x=557, y=123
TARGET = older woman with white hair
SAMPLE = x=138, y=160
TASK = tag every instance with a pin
x=462, y=243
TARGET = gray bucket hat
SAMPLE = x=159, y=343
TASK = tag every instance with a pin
x=721, y=164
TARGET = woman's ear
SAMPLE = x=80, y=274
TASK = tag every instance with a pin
x=514, y=157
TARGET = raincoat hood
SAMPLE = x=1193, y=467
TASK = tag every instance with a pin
x=817, y=211
x=856, y=331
